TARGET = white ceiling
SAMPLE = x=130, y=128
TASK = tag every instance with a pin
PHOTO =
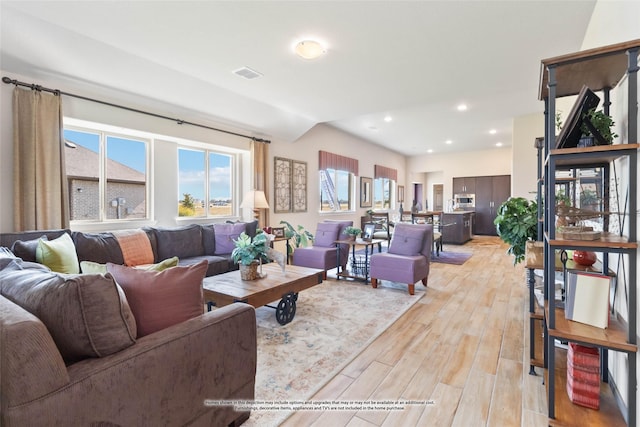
x=412, y=60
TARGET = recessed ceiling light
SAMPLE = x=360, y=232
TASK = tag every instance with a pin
x=429, y=150
x=462, y=107
x=493, y=131
x=448, y=141
x=309, y=49
x=498, y=144
x=387, y=119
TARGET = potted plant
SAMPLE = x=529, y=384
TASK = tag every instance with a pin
x=249, y=253
x=301, y=237
x=352, y=232
x=602, y=124
x=517, y=223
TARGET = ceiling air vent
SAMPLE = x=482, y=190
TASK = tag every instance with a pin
x=247, y=73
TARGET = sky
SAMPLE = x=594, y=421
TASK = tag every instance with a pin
x=190, y=163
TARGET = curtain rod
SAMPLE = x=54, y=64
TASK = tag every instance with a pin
x=7, y=80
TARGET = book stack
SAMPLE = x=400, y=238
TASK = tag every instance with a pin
x=587, y=298
x=583, y=375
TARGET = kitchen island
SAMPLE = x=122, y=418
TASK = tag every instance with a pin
x=457, y=226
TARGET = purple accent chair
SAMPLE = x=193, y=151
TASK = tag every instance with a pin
x=324, y=253
x=408, y=258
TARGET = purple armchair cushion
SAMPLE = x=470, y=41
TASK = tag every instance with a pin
x=225, y=234
x=407, y=240
x=326, y=234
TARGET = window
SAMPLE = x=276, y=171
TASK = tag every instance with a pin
x=383, y=186
x=205, y=183
x=382, y=193
x=107, y=175
x=335, y=190
x=336, y=182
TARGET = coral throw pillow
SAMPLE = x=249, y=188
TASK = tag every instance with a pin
x=161, y=299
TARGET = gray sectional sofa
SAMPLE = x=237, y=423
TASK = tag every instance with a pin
x=174, y=376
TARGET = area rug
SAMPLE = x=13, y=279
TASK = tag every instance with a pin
x=334, y=322
x=456, y=258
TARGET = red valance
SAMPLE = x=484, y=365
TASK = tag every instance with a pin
x=385, y=172
x=335, y=161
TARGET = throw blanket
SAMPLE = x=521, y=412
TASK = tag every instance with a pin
x=135, y=246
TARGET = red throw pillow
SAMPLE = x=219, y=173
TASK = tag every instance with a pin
x=161, y=299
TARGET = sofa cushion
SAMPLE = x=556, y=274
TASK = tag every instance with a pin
x=26, y=249
x=58, y=254
x=94, y=267
x=161, y=299
x=327, y=234
x=183, y=242
x=97, y=247
x=407, y=240
x=225, y=234
x=87, y=315
x=208, y=239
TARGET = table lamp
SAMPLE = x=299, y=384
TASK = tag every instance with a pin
x=256, y=200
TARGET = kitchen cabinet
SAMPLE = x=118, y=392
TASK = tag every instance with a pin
x=466, y=185
x=491, y=192
x=456, y=227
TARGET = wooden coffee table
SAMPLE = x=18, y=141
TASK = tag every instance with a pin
x=227, y=288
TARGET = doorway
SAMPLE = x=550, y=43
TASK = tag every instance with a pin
x=417, y=195
x=438, y=202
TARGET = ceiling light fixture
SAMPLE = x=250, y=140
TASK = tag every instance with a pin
x=448, y=141
x=309, y=49
x=462, y=107
x=493, y=131
x=387, y=119
x=498, y=144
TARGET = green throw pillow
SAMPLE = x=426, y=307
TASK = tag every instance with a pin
x=58, y=254
x=94, y=267
x=163, y=265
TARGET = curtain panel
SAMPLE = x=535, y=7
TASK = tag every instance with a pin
x=40, y=181
x=385, y=172
x=335, y=161
x=259, y=154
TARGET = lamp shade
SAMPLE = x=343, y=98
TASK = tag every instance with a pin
x=254, y=199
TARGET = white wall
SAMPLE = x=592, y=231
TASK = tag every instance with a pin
x=328, y=138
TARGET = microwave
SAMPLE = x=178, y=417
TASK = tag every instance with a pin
x=465, y=200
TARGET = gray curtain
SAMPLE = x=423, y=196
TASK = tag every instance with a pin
x=260, y=153
x=41, y=197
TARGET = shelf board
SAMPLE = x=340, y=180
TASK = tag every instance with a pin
x=569, y=414
x=607, y=241
x=597, y=68
x=572, y=265
x=614, y=337
x=591, y=156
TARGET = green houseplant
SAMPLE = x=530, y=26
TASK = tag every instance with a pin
x=249, y=253
x=299, y=235
x=602, y=122
x=352, y=232
x=517, y=223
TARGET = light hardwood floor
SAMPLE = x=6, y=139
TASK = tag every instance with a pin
x=463, y=347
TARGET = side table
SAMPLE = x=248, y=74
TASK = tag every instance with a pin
x=368, y=246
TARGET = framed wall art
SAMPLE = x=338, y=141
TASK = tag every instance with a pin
x=366, y=185
x=299, y=186
x=290, y=185
x=281, y=185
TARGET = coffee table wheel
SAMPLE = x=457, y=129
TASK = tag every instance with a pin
x=286, y=309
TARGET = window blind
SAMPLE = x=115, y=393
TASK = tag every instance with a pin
x=335, y=161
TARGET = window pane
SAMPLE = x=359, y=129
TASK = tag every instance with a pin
x=220, y=184
x=83, y=174
x=328, y=202
x=191, y=185
x=343, y=181
x=382, y=193
x=126, y=173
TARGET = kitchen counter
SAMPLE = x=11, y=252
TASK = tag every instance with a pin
x=456, y=226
